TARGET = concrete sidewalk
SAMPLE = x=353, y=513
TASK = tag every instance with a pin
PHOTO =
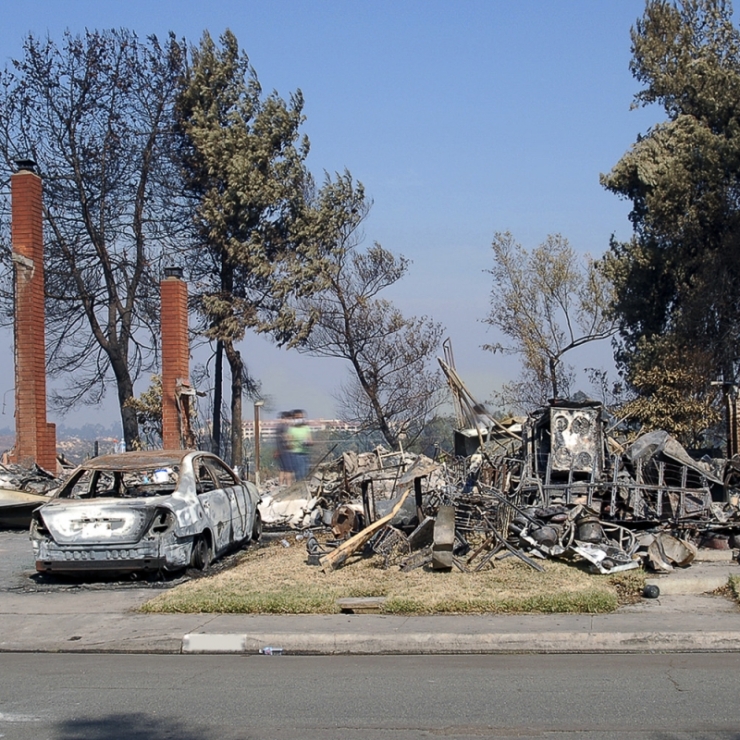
x=107, y=621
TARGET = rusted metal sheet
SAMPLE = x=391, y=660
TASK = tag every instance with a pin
x=345, y=520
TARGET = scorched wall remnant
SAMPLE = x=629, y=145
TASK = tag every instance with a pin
x=176, y=389
x=35, y=438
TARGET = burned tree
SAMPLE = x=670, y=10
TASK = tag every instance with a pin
x=245, y=176
x=392, y=387
x=546, y=302
x=677, y=280
x=95, y=114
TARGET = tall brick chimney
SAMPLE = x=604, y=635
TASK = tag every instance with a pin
x=35, y=439
x=176, y=432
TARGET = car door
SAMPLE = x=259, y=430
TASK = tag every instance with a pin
x=215, y=503
x=241, y=504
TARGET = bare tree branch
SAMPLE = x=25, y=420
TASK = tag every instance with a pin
x=547, y=303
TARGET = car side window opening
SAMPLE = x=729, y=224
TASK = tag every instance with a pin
x=107, y=484
x=222, y=474
x=203, y=479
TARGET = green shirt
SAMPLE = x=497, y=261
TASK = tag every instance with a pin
x=299, y=438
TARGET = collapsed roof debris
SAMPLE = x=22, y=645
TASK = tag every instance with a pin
x=553, y=485
x=362, y=484
x=21, y=491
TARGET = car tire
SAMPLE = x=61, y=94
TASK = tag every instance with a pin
x=201, y=555
x=257, y=527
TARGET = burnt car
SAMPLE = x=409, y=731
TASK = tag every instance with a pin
x=151, y=511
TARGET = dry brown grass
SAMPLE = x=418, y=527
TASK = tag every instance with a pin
x=275, y=579
x=733, y=586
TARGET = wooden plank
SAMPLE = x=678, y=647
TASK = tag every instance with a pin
x=336, y=558
x=361, y=605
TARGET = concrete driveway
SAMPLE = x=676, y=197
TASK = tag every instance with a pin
x=16, y=560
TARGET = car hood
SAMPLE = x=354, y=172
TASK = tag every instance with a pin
x=102, y=521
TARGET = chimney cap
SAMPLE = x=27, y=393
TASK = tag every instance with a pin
x=25, y=164
x=173, y=272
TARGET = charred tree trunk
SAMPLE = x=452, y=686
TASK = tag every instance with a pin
x=553, y=363
x=217, y=398
x=236, y=366
x=125, y=387
x=372, y=396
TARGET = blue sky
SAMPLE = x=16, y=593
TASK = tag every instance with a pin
x=461, y=119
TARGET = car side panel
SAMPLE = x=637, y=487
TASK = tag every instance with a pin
x=244, y=513
x=217, y=508
x=242, y=506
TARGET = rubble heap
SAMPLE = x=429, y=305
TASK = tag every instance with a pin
x=554, y=485
x=21, y=491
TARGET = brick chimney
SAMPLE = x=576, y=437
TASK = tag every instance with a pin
x=35, y=439
x=176, y=433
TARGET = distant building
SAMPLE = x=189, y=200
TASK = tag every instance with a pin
x=269, y=427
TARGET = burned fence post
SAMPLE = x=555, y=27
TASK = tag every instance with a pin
x=444, y=538
x=418, y=499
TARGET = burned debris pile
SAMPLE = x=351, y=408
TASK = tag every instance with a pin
x=553, y=485
x=21, y=491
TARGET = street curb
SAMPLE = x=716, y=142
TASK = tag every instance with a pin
x=453, y=643
x=683, y=586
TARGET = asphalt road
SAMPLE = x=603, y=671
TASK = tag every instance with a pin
x=96, y=697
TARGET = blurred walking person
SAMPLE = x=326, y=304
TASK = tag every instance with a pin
x=299, y=435
x=283, y=454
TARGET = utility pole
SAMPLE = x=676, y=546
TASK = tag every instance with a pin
x=257, y=406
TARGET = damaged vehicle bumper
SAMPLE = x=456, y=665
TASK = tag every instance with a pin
x=54, y=558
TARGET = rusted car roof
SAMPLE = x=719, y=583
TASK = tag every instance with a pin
x=132, y=461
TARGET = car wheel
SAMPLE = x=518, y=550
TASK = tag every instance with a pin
x=201, y=555
x=257, y=527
